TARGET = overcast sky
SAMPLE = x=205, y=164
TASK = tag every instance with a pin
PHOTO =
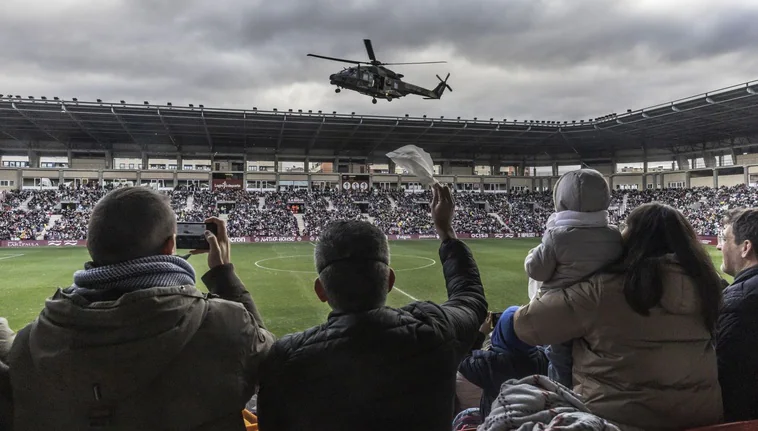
x=515, y=59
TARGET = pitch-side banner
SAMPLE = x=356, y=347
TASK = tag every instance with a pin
x=708, y=240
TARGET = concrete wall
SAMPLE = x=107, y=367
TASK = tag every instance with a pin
x=81, y=163
x=118, y=175
x=730, y=180
x=628, y=180
x=91, y=175
x=701, y=181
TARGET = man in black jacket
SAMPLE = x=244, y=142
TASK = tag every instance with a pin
x=371, y=367
x=737, y=340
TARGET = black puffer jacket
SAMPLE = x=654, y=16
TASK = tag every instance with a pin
x=737, y=347
x=377, y=370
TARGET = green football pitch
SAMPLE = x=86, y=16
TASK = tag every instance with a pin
x=280, y=277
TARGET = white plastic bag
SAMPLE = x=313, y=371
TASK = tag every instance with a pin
x=416, y=161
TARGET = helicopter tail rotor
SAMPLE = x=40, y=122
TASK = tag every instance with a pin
x=444, y=82
x=440, y=88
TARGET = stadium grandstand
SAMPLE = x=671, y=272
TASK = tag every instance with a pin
x=280, y=175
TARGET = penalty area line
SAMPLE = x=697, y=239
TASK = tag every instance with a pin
x=406, y=294
x=10, y=256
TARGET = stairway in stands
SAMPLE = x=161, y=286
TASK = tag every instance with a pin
x=25, y=204
x=393, y=203
x=497, y=217
x=300, y=223
x=190, y=203
x=329, y=204
x=53, y=220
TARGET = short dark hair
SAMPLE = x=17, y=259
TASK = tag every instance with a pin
x=744, y=222
x=129, y=223
x=352, y=260
x=653, y=231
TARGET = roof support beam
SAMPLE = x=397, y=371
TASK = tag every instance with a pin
x=281, y=134
x=168, y=131
x=384, y=138
x=81, y=126
x=315, y=137
x=123, y=126
x=31, y=120
x=425, y=130
x=244, y=132
x=481, y=138
x=8, y=134
x=352, y=133
x=457, y=132
x=207, y=133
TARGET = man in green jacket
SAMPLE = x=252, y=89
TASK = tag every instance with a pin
x=132, y=344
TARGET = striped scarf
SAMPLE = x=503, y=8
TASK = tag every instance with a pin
x=108, y=283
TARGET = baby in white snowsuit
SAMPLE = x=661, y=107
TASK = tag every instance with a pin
x=578, y=242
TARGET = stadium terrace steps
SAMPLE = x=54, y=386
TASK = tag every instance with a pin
x=261, y=203
x=329, y=204
x=25, y=205
x=300, y=223
x=53, y=220
x=500, y=219
x=393, y=204
x=190, y=203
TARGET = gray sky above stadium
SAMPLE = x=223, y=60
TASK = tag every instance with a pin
x=515, y=59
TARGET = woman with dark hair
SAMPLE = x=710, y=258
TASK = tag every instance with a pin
x=642, y=328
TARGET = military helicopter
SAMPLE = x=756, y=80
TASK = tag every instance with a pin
x=377, y=81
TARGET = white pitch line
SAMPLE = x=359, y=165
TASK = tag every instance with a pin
x=11, y=256
x=406, y=294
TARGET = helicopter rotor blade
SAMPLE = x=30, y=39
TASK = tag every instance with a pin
x=421, y=62
x=369, y=49
x=337, y=59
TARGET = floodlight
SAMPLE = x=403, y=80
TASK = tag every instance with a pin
x=146, y=102
x=290, y=109
x=300, y=111
x=169, y=104
x=191, y=105
x=99, y=101
x=75, y=99
x=55, y=98
x=31, y=97
x=201, y=106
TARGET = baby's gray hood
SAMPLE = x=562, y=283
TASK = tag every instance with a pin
x=583, y=190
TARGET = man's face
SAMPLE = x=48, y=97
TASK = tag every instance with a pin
x=731, y=253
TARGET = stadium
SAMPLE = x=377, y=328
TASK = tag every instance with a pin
x=279, y=176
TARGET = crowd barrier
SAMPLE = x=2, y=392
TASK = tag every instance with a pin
x=708, y=240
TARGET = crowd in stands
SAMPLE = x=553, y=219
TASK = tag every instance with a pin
x=395, y=212
x=652, y=336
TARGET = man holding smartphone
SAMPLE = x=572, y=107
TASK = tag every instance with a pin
x=132, y=343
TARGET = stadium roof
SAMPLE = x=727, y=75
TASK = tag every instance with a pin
x=714, y=120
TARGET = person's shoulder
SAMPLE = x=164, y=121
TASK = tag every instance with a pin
x=742, y=295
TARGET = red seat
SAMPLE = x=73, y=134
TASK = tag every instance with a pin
x=734, y=426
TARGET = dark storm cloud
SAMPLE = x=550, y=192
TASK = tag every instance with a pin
x=508, y=59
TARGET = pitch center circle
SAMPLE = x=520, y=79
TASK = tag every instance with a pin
x=260, y=263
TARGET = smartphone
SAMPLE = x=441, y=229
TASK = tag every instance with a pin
x=191, y=235
x=496, y=317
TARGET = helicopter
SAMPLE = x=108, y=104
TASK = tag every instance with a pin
x=377, y=81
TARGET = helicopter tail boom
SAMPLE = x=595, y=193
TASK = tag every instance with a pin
x=440, y=88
